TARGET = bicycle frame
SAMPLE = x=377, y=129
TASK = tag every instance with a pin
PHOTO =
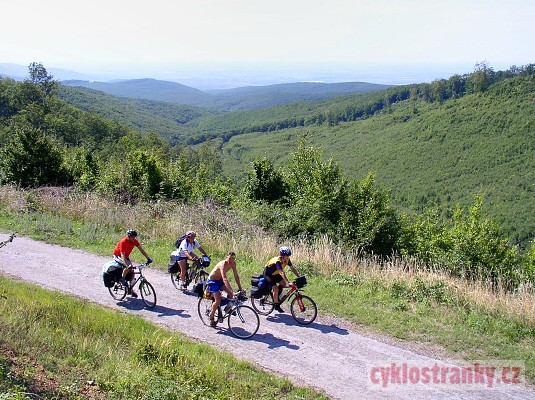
x=2, y=244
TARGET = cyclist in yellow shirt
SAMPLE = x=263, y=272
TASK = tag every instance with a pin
x=274, y=273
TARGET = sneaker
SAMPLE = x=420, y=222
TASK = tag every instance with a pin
x=133, y=294
x=213, y=323
x=182, y=285
x=278, y=307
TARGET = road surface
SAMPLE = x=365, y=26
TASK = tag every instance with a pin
x=330, y=354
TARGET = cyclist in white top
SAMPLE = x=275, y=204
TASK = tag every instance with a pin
x=185, y=252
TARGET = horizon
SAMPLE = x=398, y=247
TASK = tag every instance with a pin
x=280, y=40
x=216, y=77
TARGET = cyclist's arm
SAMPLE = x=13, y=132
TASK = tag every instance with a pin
x=202, y=251
x=294, y=270
x=142, y=250
x=237, y=278
x=226, y=282
x=126, y=261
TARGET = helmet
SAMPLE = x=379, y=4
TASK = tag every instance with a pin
x=285, y=251
x=131, y=232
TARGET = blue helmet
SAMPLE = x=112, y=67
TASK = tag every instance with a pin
x=285, y=251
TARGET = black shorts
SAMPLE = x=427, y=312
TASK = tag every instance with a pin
x=274, y=279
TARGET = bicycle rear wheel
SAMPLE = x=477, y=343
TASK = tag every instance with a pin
x=205, y=308
x=147, y=294
x=175, y=278
x=303, y=309
x=117, y=291
x=263, y=305
x=243, y=322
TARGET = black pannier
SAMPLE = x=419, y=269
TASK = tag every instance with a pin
x=257, y=293
x=301, y=282
x=198, y=288
x=173, y=268
x=111, y=273
x=255, y=278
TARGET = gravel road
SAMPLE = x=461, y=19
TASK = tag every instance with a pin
x=330, y=354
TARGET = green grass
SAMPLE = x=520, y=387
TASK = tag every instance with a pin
x=76, y=341
x=429, y=311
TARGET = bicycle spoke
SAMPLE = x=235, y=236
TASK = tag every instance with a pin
x=303, y=309
x=243, y=322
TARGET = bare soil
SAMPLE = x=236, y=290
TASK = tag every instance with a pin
x=330, y=354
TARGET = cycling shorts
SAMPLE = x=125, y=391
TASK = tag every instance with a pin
x=215, y=286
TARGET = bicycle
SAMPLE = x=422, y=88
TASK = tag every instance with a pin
x=9, y=240
x=243, y=321
x=302, y=307
x=119, y=291
x=194, y=273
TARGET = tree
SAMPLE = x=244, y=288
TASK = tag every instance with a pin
x=31, y=159
x=39, y=76
x=265, y=182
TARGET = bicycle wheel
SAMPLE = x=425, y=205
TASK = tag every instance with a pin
x=243, y=322
x=303, y=309
x=205, y=308
x=117, y=291
x=147, y=294
x=175, y=278
x=263, y=305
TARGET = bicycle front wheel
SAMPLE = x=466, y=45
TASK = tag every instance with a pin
x=147, y=294
x=263, y=305
x=243, y=322
x=303, y=309
x=117, y=291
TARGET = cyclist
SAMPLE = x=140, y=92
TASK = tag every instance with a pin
x=217, y=281
x=185, y=252
x=275, y=275
x=121, y=254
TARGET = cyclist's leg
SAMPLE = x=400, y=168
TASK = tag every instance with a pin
x=183, y=264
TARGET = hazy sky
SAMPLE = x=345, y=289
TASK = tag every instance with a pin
x=103, y=33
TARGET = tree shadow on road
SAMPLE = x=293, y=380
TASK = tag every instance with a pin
x=287, y=319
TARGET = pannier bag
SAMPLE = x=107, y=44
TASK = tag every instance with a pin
x=257, y=293
x=255, y=278
x=173, y=266
x=111, y=273
x=301, y=282
x=198, y=288
x=205, y=261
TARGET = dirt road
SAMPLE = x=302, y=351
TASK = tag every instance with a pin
x=329, y=354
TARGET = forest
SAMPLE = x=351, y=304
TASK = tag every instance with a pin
x=231, y=159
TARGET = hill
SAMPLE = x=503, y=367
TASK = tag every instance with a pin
x=150, y=89
x=246, y=98
x=166, y=119
x=429, y=154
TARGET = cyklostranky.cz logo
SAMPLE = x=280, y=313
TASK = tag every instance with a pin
x=475, y=375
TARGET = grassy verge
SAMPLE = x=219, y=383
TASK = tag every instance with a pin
x=470, y=320
x=79, y=350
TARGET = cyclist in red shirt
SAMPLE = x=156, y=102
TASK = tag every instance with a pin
x=122, y=256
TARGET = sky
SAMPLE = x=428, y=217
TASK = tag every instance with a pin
x=161, y=37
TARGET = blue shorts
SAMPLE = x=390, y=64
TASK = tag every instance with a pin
x=215, y=286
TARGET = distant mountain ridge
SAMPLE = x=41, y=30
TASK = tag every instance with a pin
x=245, y=98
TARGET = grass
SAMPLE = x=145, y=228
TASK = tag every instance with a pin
x=73, y=342
x=470, y=320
